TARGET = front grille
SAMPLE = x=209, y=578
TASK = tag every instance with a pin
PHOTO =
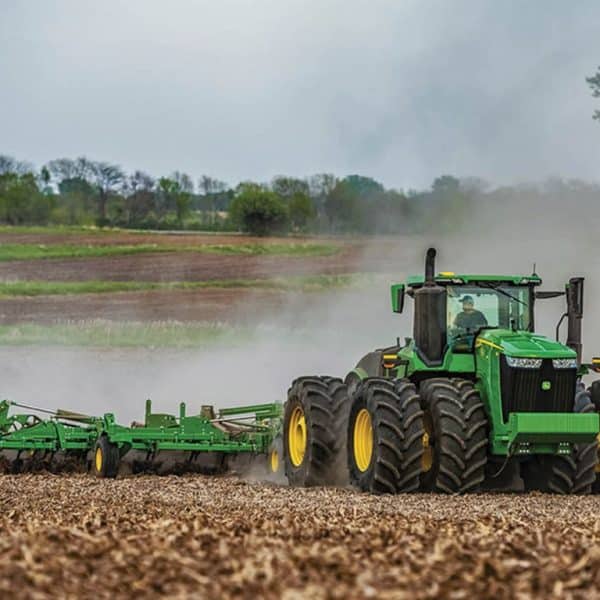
x=522, y=388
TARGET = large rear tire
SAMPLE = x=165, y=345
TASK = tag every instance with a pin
x=315, y=418
x=384, y=436
x=476, y=436
x=444, y=441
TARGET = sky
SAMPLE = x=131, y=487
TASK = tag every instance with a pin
x=402, y=91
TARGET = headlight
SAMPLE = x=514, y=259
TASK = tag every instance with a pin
x=564, y=363
x=524, y=363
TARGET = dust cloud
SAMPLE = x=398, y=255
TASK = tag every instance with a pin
x=319, y=333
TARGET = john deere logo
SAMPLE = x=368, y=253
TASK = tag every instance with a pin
x=546, y=386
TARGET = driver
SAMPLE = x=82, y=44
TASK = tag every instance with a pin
x=469, y=319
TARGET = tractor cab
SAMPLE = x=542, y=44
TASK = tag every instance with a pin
x=473, y=303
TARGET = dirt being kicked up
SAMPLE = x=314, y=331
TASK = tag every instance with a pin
x=73, y=536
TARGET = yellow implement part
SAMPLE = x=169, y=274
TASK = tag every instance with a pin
x=274, y=461
x=99, y=459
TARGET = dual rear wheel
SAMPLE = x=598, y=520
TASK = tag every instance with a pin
x=388, y=437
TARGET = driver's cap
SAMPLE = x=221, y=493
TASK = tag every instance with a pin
x=467, y=299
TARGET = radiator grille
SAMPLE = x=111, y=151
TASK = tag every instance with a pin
x=522, y=388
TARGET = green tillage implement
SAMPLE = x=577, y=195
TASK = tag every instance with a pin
x=205, y=441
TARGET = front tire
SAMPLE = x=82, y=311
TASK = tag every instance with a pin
x=551, y=473
x=444, y=441
x=586, y=455
x=476, y=435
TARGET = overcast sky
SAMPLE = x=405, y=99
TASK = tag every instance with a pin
x=400, y=90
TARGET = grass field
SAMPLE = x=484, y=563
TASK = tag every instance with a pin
x=106, y=334
x=124, y=276
x=42, y=251
x=308, y=283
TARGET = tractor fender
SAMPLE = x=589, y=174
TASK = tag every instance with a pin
x=354, y=378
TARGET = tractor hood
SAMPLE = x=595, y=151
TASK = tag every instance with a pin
x=522, y=344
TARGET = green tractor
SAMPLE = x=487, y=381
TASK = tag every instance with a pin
x=475, y=400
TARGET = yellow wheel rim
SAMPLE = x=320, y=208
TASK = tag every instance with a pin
x=274, y=461
x=98, y=459
x=427, y=458
x=363, y=440
x=297, y=437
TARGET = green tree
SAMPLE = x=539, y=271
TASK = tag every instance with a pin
x=258, y=211
x=108, y=179
x=213, y=195
x=286, y=187
x=595, y=85
x=75, y=202
x=175, y=196
x=139, y=202
x=342, y=207
x=446, y=184
x=302, y=211
x=21, y=201
x=363, y=187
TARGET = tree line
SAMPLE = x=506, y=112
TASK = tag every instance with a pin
x=86, y=192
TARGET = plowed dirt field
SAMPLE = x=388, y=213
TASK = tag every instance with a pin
x=195, y=537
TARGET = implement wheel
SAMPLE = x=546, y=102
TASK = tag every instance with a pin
x=384, y=436
x=314, y=425
x=105, y=462
x=275, y=457
x=444, y=439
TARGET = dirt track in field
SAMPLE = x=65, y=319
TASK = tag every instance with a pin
x=178, y=266
x=225, y=305
x=73, y=536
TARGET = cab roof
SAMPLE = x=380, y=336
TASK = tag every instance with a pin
x=447, y=278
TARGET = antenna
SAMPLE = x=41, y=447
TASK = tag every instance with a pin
x=534, y=269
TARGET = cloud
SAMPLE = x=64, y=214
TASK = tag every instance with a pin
x=241, y=89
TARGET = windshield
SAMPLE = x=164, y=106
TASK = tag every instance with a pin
x=473, y=307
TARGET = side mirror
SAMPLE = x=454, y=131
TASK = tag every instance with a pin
x=543, y=294
x=398, y=297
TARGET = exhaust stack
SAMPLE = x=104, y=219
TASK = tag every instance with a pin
x=430, y=267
